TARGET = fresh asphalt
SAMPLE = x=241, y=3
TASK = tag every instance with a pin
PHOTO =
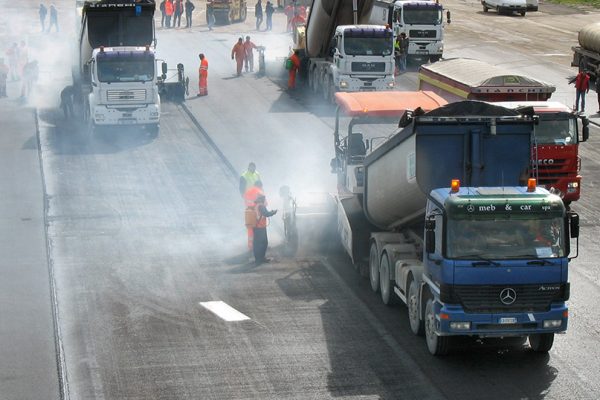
x=142, y=228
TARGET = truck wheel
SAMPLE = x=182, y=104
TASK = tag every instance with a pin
x=386, y=284
x=541, y=342
x=485, y=9
x=437, y=345
x=243, y=14
x=325, y=88
x=523, y=13
x=374, y=267
x=416, y=324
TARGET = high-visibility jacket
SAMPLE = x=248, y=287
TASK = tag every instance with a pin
x=251, y=194
x=248, y=46
x=251, y=178
x=169, y=7
x=239, y=51
x=203, y=70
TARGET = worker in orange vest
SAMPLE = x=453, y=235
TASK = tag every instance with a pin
x=294, y=67
x=261, y=241
x=239, y=51
x=203, y=76
x=169, y=10
x=250, y=196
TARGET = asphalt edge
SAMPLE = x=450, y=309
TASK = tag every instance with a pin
x=61, y=366
x=213, y=145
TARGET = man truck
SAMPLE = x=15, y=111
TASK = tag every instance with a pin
x=440, y=214
x=556, y=138
x=116, y=69
x=341, y=52
x=421, y=20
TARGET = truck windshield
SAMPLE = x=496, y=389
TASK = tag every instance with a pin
x=423, y=15
x=556, y=131
x=501, y=239
x=367, y=46
x=125, y=69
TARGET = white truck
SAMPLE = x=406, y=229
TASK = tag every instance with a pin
x=586, y=56
x=421, y=20
x=341, y=52
x=117, y=75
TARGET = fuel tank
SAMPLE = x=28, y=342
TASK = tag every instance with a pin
x=589, y=37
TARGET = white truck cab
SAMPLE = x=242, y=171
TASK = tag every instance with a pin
x=124, y=87
x=361, y=59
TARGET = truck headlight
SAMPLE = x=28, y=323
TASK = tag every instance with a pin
x=154, y=114
x=460, y=325
x=552, y=323
x=343, y=84
x=391, y=84
x=573, y=185
x=99, y=116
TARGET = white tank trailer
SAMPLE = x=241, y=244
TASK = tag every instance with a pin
x=587, y=55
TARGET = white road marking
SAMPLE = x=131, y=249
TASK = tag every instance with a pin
x=224, y=311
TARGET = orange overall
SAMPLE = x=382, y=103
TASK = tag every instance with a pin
x=292, y=74
x=250, y=201
x=203, y=78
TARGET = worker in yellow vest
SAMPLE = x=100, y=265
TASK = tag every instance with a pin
x=249, y=178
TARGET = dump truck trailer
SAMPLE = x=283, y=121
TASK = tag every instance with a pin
x=440, y=214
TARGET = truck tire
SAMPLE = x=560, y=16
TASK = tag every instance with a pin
x=243, y=14
x=541, y=342
x=374, y=267
x=485, y=9
x=437, y=345
x=523, y=13
x=386, y=284
x=412, y=302
x=325, y=87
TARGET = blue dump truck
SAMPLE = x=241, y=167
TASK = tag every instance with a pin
x=443, y=217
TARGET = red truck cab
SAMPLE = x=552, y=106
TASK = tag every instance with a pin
x=555, y=153
x=555, y=158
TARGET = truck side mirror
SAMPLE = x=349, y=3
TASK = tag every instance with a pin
x=574, y=225
x=585, y=129
x=430, y=236
x=164, y=68
x=448, y=16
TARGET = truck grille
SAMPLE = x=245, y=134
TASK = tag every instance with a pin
x=549, y=174
x=368, y=67
x=126, y=96
x=418, y=33
x=528, y=298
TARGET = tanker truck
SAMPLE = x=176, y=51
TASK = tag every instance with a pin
x=341, y=52
x=586, y=56
x=440, y=217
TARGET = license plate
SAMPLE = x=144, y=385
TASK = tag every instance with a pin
x=127, y=115
x=422, y=52
x=127, y=121
x=367, y=84
x=509, y=320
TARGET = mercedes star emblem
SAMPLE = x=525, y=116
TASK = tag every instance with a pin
x=508, y=296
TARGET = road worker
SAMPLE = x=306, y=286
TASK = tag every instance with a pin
x=239, y=52
x=169, y=11
x=261, y=241
x=3, y=77
x=250, y=196
x=294, y=67
x=249, y=178
x=249, y=54
x=203, y=76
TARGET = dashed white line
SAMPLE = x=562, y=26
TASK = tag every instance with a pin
x=224, y=311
